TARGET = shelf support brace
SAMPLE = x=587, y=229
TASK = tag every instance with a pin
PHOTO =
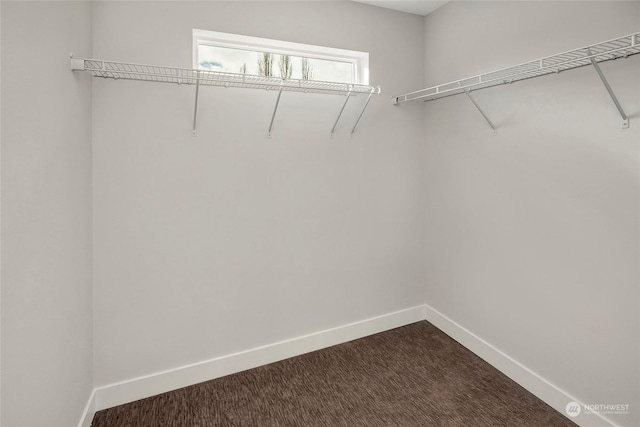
x=77, y=64
x=624, y=124
x=273, y=116
x=362, y=112
x=195, y=108
x=466, y=91
x=333, y=129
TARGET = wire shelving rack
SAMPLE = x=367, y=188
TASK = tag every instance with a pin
x=164, y=74
x=620, y=47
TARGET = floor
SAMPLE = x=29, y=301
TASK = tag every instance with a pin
x=410, y=376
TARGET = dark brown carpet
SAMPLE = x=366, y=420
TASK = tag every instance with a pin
x=410, y=376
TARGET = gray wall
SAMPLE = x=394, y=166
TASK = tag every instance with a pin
x=533, y=235
x=46, y=215
x=209, y=245
x=227, y=241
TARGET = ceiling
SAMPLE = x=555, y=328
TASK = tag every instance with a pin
x=422, y=7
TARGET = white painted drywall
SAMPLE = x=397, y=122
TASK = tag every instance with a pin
x=230, y=240
x=533, y=235
x=46, y=215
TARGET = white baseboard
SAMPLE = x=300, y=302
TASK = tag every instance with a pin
x=534, y=383
x=89, y=411
x=162, y=382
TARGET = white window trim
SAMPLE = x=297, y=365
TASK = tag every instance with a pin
x=360, y=60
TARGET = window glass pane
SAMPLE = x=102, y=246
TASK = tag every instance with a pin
x=331, y=71
x=233, y=60
x=227, y=60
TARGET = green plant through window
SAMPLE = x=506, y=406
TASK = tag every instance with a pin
x=307, y=70
x=265, y=64
x=285, y=66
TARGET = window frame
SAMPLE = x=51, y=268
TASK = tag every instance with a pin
x=358, y=59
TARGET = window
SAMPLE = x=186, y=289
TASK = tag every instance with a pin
x=232, y=53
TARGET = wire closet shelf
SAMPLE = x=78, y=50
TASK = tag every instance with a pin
x=621, y=47
x=163, y=74
x=188, y=76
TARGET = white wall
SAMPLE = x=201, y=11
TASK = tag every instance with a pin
x=209, y=245
x=533, y=234
x=46, y=215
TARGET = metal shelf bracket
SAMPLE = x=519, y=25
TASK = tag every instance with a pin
x=273, y=116
x=373, y=90
x=475, y=104
x=195, y=108
x=333, y=129
x=624, y=122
